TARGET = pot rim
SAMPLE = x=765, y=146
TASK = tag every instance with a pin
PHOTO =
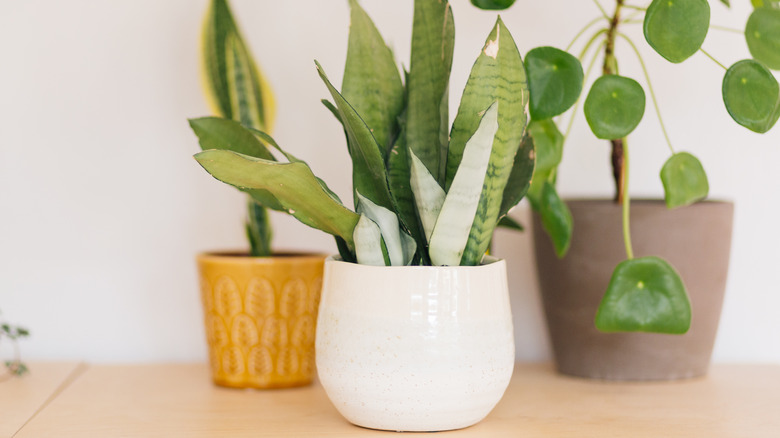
x=487, y=261
x=646, y=201
x=242, y=256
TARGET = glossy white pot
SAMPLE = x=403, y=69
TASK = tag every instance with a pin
x=414, y=348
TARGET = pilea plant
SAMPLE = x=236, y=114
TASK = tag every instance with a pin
x=423, y=194
x=11, y=334
x=614, y=106
x=236, y=89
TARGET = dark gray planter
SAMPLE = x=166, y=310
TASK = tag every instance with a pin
x=696, y=240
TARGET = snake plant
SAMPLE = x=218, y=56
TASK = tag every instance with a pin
x=236, y=89
x=424, y=193
x=614, y=106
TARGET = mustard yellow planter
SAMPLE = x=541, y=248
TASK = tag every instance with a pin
x=261, y=315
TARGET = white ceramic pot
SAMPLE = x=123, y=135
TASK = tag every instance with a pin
x=414, y=348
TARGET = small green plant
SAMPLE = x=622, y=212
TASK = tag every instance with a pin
x=12, y=334
x=236, y=89
x=424, y=194
x=614, y=106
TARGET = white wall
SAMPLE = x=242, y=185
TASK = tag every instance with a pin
x=103, y=208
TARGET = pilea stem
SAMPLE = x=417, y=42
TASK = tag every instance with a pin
x=713, y=59
x=726, y=29
x=584, y=29
x=650, y=87
x=601, y=8
x=610, y=67
x=626, y=206
x=579, y=99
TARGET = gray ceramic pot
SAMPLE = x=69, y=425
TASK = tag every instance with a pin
x=696, y=240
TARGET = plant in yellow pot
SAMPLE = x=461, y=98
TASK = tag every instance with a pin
x=260, y=308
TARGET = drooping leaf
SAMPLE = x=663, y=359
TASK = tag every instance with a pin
x=234, y=85
x=676, y=29
x=614, y=106
x=510, y=224
x=368, y=243
x=428, y=195
x=292, y=184
x=645, y=295
x=458, y=213
x=762, y=33
x=556, y=218
x=258, y=230
x=388, y=225
x=218, y=133
x=554, y=81
x=548, y=142
x=520, y=178
x=427, y=113
x=371, y=81
x=752, y=95
x=369, y=176
x=492, y=4
x=684, y=179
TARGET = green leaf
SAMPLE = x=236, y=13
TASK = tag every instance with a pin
x=369, y=176
x=684, y=179
x=371, y=81
x=554, y=81
x=234, y=85
x=219, y=133
x=368, y=243
x=726, y=2
x=676, y=29
x=645, y=295
x=389, y=227
x=492, y=4
x=556, y=218
x=548, y=141
x=428, y=195
x=520, y=179
x=427, y=116
x=766, y=4
x=510, y=224
x=293, y=184
x=399, y=178
x=762, y=33
x=258, y=230
x=752, y=95
x=458, y=213
x=614, y=107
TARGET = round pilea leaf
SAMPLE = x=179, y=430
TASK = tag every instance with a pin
x=554, y=81
x=614, y=106
x=645, y=295
x=752, y=95
x=762, y=33
x=549, y=144
x=677, y=28
x=492, y=4
x=684, y=179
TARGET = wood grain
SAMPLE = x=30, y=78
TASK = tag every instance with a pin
x=180, y=401
x=22, y=397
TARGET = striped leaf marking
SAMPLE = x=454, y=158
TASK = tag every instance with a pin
x=428, y=195
x=453, y=227
x=368, y=242
x=388, y=225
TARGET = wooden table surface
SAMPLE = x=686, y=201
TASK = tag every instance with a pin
x=72, y=400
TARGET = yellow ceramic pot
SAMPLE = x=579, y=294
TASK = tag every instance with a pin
x=261, y=315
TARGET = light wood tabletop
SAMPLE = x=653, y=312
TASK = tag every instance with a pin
x=180, y=401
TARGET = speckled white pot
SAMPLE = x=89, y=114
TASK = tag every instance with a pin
x=414, y=348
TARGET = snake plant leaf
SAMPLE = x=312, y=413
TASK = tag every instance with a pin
x=371, y=81
x=752, y=95
x=676, y=29
x=554, y=81
x=388, y=226
x=556, y=218
x=492, y=4
x=762, y=33
x=219, y=133
x=645, y=295
x=684, y=179
x=258, y=229
x=428, y=195
x=548, y=141
x=510, y=224
x=333, y=110
x=368, y=243
x=498, y=75
x=427, y=112
x=292, y=184
x=520, y=178
x=409, y=246
x=235, y=86
x=614, y=106
x=399, y=176
x=369, y=175
x=460, y=210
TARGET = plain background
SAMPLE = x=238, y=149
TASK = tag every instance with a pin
x=104, y=209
